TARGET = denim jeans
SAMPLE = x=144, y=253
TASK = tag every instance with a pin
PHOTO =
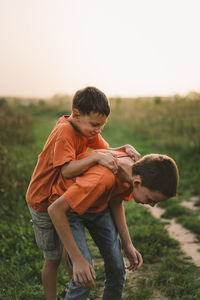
x=104, y=233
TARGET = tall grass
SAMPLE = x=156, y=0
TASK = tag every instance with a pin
x=170, y=127
x=15, y=134
x=170, y=124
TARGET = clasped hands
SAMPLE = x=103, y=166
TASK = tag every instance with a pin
x=108, y=158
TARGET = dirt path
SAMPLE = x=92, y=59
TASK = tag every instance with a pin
x=184, y=236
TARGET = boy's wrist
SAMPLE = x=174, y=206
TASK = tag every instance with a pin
x=95, y=157
x=126, y=244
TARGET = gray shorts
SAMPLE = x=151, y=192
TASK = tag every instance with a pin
x=45, y=235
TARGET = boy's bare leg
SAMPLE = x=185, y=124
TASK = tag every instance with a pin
x=49, y=278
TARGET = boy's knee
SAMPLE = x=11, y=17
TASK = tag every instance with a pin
x=116, y=277
x=54, y=264
x=119, y=270
x=116, y=270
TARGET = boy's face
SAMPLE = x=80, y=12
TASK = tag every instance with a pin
x=144, y=195
x=89, y=125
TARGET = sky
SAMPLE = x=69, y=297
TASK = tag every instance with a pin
x=123, y=47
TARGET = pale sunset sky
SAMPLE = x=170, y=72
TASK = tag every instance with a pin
x=123, y=47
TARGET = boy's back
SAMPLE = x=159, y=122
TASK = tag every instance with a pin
x=92, y=191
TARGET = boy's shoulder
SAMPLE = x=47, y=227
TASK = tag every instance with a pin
x=63, y=120
x=64, y=128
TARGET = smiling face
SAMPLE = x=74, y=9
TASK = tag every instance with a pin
x=144, y=195
x=88, y=125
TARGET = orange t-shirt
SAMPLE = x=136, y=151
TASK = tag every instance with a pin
x=64, y=144
x=92, y=191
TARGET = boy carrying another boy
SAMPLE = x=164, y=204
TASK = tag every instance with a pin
x=92, y=200
x=71, y=136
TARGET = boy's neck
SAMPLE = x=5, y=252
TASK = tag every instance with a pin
x=125, y=164
x=72, y=122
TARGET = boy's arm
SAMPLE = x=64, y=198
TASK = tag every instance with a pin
x=130, y=150
x=78, y=167
x=83, y=272
x=134, y=257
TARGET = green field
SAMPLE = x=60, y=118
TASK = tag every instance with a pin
x=153, y=125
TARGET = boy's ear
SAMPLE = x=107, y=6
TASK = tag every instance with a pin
x=75, y=113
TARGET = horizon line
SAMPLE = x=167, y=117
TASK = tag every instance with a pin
x=164, y=95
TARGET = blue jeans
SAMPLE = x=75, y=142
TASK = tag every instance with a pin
x=104, y=233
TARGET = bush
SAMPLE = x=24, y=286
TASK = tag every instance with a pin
x=16, y=131
x=15, y=126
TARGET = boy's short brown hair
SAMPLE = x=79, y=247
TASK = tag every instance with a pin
x=91, y=99
x=158, y=173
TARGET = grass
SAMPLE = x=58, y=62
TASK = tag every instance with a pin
x=172, y=274
x=170, y=127
x=197, y=203
x=166, y=273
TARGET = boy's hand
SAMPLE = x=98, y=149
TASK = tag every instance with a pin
x=84, y=274
x=107, y=159
x=130, y=150
x=134, y=257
